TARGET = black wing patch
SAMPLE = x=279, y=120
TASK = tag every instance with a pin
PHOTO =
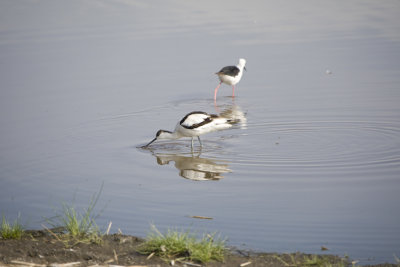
x=191, y=113
x=194, y=126
x=229, y=70
x=208, y=119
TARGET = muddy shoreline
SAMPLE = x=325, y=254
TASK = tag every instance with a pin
x=42, y=248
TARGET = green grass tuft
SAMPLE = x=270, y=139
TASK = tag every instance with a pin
x=207, y=249
x=79, y=227
x=11, y=231
x=181, y=245
x=300, y=260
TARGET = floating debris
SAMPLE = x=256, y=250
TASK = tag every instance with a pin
x=201, y=217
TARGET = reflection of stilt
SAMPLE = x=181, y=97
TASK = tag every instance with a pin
x=216, y=106
x=233, y=113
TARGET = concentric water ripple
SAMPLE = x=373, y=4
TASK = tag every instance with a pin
x=353, y=143
x=320, y=144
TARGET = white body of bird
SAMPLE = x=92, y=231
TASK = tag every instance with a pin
x=230, y=78
x=230, y=75
x=193, y=125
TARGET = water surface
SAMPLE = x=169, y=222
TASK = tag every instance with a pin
x=314, y=161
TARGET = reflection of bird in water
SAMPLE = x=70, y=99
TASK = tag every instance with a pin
x=194, y=124
x=235, y=114
x=230, y=75
x=194, y=167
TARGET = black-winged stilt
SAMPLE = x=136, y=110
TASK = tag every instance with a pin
x=194, y=124
x=230, y=75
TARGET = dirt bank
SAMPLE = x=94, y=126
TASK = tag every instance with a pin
x=41, y=248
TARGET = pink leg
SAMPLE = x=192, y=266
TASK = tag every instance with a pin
x=216, y=107
x=233, y=91
x=216, y=90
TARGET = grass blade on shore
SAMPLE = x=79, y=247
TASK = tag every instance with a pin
x=183, y=245
x=11, y=231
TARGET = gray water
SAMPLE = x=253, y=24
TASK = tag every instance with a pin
x=314, y=161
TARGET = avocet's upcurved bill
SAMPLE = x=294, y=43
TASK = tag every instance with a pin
x=194, y=124
x=230, y=75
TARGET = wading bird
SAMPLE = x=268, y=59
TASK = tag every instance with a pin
x=230, y=75
x=194, y=124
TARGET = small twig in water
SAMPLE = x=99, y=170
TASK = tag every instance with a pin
x=201, y=217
